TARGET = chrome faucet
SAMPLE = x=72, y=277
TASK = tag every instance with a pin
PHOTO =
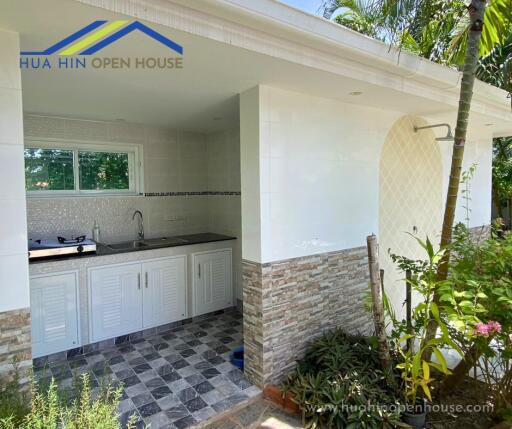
x=141, y=223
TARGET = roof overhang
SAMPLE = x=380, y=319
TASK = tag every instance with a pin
x=273, y=28
x=232, y=45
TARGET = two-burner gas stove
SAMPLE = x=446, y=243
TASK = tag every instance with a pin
x=60, y=247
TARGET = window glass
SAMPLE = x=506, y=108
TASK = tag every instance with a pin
x=49, y=170
x=103, y=171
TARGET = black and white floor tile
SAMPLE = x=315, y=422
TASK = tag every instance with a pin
x=173, y=380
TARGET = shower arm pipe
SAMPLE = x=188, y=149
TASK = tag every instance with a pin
x=416, y=129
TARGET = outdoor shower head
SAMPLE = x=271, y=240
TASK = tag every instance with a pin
x=447, y=138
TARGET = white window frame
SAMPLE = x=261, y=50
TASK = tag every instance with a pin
x=135, y=166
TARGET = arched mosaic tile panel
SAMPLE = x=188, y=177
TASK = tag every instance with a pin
x=410, y=198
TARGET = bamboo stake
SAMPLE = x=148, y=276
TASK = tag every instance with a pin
x=408, y=305
x=377, y=300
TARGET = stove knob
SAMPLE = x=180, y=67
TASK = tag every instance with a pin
x=80, y=249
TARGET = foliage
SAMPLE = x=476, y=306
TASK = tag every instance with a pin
x=49, y=169
x=434, y=29
x=48, y=411
x=103, y=170
x=338, y=384
x=479, y=287
x=502, y=172
x=467, y=176
x=415, y=369
x=13, y=400
x=495, y=68
x=53, y=169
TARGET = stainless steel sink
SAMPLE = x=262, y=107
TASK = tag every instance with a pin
x=147, y=243
x=164, y=241
x=126, y=245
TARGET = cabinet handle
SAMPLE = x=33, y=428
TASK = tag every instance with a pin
x=146, y=279
x=138, y=281
x=199, y=269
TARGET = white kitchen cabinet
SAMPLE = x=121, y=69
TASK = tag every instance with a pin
x=213, y=288
x=54, y=313
x=131, y=297
x=164, y=295
x=115, y=300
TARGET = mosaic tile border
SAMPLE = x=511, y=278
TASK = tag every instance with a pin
x=191, y=194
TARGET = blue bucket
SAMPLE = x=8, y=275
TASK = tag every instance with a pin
x=237, y=357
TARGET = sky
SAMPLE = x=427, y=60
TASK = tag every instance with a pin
x=310, y=6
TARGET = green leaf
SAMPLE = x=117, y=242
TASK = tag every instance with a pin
x=426, y=390
x=441, y=360
x=426, y=370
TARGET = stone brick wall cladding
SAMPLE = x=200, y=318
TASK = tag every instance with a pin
x=480, y=233
x=15, y=343
x=287, y=304
x=253, y=319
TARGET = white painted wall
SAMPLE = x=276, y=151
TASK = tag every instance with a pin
x=14, y=290
x=310, y=173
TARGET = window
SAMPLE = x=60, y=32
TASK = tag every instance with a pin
x=52, y=168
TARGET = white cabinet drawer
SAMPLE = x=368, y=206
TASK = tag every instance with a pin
x=54, y=313
x=115, y=301
x=213, y=288
x=165, y=287
x=131, y=297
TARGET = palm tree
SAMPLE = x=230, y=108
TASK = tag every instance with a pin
x=434, y=29
x=414, y=25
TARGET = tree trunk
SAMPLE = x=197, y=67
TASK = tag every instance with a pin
x=377, y=301
x=476, y=14
x=460, y=371
x=498, y=203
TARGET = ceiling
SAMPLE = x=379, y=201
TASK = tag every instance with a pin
x=203, y=96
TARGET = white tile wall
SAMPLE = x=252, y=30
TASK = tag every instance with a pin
x=251, y=147
x=310, y=173
x=225, y=210
x=14, y=288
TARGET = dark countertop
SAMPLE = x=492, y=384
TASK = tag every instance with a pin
x=103, y=250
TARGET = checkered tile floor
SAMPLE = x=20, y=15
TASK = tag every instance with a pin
x=173, y=380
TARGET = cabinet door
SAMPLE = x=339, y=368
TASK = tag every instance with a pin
x=54, y=313
x=116, y=301
x=164, y=291
x=212, y=281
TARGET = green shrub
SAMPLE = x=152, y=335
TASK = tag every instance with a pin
x=49, y=411
x=339, y=384
x=13, y=400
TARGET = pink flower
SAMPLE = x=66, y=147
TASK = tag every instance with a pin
x=481, y=329
x=494, y=326
x=484, y=329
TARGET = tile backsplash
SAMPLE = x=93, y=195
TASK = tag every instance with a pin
x=192, y=183
x=75, y=216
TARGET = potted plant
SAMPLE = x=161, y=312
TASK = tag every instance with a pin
x=415, y=374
